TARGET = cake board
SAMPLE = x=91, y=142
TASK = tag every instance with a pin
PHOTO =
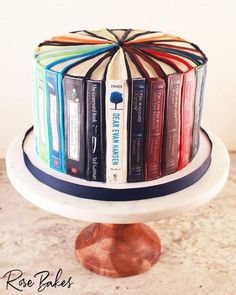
x=118, y=244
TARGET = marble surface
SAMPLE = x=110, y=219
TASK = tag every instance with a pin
x=198, y=248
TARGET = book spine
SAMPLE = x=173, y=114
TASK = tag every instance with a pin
x=187, y=107
x=55, y=128
x=155, y=124
x=199, y=93
x=136, y=130
x=202, y=92
x=35, y=109
x=40, y=114
x=74, y=105
x=116, y=131
x=95, y=128
x=172, y=125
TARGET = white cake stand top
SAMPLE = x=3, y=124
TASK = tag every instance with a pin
x=118, y=212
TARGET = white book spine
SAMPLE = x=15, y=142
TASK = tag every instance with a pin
x=116, y=131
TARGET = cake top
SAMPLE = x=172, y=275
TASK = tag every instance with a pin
x=133, y=53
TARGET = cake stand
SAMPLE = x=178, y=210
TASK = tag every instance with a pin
x=118, y=244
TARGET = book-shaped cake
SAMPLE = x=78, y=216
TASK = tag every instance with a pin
x=118, y=106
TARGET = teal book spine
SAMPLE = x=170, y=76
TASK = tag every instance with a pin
x=55, y=120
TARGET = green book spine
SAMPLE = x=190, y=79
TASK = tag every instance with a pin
x=40, y=114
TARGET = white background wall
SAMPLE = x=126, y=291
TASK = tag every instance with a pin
x=208, y=23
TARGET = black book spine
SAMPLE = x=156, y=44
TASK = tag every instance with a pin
x=136, y=130
x=74, y=105
x=95, y=130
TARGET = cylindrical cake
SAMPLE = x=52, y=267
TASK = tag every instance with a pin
x=118, y=105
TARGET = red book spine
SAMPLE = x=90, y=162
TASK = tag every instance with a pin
x=187, y=114
x=170, y=155
x=154, y=129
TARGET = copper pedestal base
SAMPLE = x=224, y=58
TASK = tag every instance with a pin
x=118, y=250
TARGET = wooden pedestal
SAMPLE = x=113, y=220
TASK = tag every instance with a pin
x=118, y=250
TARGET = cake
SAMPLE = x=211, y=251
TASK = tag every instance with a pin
x=118, y=106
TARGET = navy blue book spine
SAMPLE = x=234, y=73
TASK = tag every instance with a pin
x=136, y=130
